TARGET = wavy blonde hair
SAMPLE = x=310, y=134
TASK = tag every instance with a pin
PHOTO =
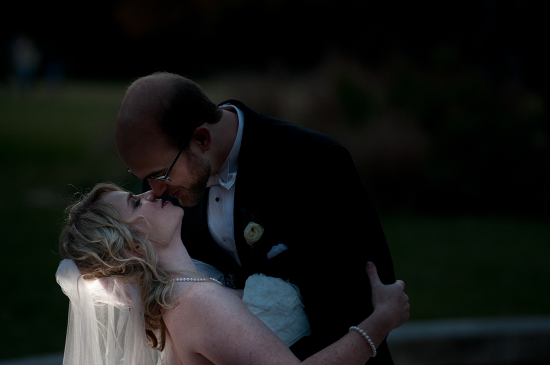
x=103, y=244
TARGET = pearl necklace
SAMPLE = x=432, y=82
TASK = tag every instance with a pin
x=198, y=279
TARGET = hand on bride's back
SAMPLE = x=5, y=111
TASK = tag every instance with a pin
x=390, y=301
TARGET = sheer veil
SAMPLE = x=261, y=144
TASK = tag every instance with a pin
x=106, y=325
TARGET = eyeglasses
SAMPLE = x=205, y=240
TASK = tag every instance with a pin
x=165, y=177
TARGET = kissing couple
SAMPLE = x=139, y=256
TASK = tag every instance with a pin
x=253, y=242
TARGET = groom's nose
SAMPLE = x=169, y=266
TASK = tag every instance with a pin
x=149, y=196
x=158, y=187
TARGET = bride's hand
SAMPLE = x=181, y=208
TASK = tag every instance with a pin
x=389, y=301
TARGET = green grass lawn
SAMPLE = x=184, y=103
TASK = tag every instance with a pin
x=55, y=142
x=471, y=266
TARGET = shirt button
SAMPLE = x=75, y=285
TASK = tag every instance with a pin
x=217, y=199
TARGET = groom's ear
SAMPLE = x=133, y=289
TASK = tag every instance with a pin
x=202, y=138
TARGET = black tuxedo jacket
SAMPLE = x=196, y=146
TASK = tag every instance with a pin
x=302, y=187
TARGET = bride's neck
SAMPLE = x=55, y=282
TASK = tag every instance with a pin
x=174, y=257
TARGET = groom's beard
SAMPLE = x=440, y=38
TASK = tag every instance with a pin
x=202, y=170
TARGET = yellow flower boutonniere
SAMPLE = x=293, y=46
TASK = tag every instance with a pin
x=252, y=233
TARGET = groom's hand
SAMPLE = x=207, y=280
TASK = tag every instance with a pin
x=389, y=301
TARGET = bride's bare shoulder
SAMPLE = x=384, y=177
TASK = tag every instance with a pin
x=199, y=308
x=205, y=299
x=212, y=322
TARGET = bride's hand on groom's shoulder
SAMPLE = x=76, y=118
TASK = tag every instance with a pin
x=389, y=301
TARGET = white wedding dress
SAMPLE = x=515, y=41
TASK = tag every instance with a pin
x=276, y=302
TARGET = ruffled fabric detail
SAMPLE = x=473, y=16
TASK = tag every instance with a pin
x=279, y=305
x=275, y=301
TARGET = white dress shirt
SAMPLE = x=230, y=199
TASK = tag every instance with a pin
x=222, y=196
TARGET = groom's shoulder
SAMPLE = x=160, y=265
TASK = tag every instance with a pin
x=289, y=134
x=271, y=130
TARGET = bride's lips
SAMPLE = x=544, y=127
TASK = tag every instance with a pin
x=164, y=202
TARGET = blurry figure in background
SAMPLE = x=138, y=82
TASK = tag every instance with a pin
x=54, y=72
x=25, y=59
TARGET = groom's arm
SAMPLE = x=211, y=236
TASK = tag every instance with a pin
x=339, y=231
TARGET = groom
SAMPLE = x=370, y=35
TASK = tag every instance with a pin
x=260, y=196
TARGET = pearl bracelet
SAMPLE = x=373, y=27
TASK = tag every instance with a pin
x=364, y=334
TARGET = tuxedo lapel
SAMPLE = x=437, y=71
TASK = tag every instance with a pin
x=247, y=203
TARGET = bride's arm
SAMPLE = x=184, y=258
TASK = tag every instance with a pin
x=213, y=323
x=391, y=310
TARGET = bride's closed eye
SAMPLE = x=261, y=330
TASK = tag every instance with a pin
x=137, y=202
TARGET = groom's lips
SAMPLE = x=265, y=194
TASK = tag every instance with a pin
x=175, y=194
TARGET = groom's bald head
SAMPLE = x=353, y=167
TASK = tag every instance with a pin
x=138, y=117
x=162, y=108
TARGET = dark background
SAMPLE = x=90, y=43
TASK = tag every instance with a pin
x=124, y=38
x=443, y=106
x=472, y=75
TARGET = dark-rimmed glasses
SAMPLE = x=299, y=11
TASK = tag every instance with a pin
x=165, y=177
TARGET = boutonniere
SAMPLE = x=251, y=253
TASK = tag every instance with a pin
x=253, y=231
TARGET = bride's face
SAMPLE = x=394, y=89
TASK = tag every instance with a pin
x=163, y=217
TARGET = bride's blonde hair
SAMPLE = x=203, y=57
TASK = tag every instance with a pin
x=102, y=244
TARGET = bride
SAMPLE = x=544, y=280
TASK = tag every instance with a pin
x=138, y=298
